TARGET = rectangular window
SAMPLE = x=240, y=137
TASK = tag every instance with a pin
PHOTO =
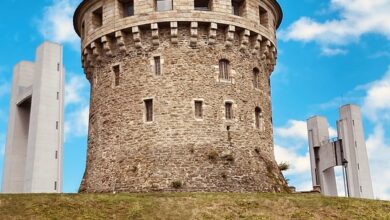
x=57, y=125
x=163, y=5
x=157, y=66
x=127, y=7
x=149, y=110
x=263, y=16
x=55, y=185
x=56, y=155
x=58, y=67
x=97, y=17
x=198, y=109
x=238, y=7
x=58, y=95
x=224, y=69
x=116, y=70
x=228, y=110
x=202, y=5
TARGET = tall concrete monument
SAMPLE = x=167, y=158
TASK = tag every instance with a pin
x=347, y=150
x=33, y=153
x=180, y=94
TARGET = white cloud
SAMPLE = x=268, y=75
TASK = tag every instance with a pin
x=297, y=130
x=57, y=22
x=376, y=104
x=327, y=51
x=76, y=106
x=76, y=123
x=75, y=89
x=294, y=129
x=378, y=149
x=298, y=163
x=355, y=18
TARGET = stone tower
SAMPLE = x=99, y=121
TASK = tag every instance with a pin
x=180, y=94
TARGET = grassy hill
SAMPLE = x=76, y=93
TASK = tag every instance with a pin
x=186, y=206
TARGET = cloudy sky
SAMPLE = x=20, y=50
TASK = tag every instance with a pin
x=331, y=52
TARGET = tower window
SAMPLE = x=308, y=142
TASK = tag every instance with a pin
x=238, y=7
x=228, y=110
x=258, y=118
x=57, y=125
x=127, y=7
x=263, y=16
x=198, y=109
x=116, y=70
x=202, y=5
x=224, y=67
x=97, y=17
x=256, y=78
x=149, y=110
x=55, y=185
x=56, y=155
x=58, y=66
x=163, y=5
x=157, y=66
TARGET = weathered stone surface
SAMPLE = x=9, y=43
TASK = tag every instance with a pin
x=125, y=153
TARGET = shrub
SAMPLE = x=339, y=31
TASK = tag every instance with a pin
x=283, y=166
x=213, y=155
x=177, y=184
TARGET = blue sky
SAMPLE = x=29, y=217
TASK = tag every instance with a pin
x=330, y=52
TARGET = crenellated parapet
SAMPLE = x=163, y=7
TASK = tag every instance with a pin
x=116, y=43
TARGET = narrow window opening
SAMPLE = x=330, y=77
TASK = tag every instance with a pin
x=358, y=167
x=127, y=7
x=202, y=5
x=163, y=5
x=57, y=125
x=97, y=17
x=149, y=110
x=228, y=110
x=256, y=78
x=238, y=7
x=157, y=66
x=55, y=185
x=263, y=16
x=58, y=67
x=198, y=109
x=116, y=70
x=258, y=118
x=353, y=122
x=58, y=95
x=361, y=189
x=224, y=69
x=56, y=155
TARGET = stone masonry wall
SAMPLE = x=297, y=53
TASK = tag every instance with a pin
x=178, y=152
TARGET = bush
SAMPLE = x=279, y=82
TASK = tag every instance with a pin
x=177, y=184
x=212, y=155
x=283, y=166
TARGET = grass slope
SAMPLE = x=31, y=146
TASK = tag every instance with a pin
x=189, y=206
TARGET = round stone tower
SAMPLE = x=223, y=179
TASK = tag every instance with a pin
x=180, y=94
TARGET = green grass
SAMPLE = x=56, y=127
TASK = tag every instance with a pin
x=186, y=206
